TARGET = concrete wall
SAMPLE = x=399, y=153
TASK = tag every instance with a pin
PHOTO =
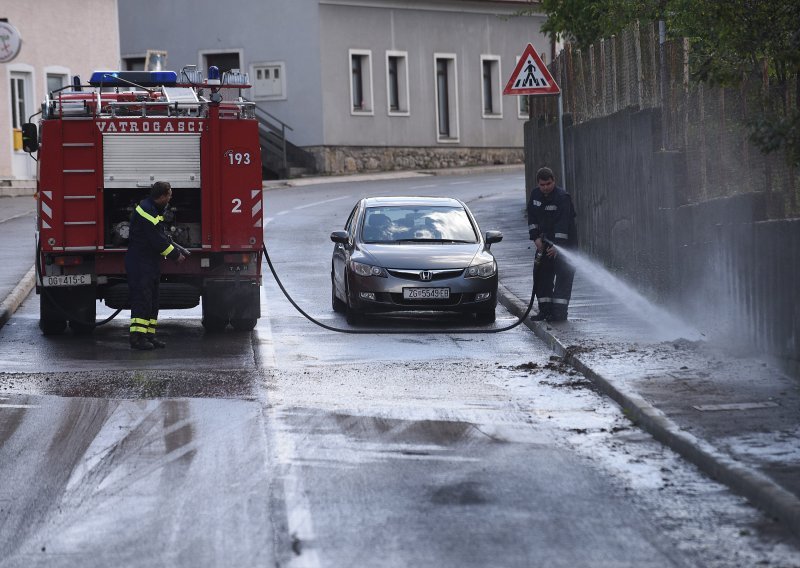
x=720, y=263
x=259, y=31
x=70, y=37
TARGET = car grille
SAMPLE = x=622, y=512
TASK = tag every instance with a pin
x=415, y=275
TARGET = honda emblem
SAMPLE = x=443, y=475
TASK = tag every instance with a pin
x=426, y=275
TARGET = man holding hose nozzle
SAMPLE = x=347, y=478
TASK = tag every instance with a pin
x=148, y=245
x=551, y=225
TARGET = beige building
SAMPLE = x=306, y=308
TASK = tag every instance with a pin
x=60, y=38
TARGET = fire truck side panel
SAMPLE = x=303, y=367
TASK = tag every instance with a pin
x=79, y=185
x=50, y=201
x=241, y=209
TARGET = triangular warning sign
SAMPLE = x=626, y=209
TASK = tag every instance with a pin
x=531, y=77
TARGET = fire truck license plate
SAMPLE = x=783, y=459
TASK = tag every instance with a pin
x=426, y=293
x=67, y=280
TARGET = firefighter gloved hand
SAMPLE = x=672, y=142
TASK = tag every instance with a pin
x=180, y=258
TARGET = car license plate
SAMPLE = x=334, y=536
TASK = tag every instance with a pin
x=426, y=293
x=67, y=280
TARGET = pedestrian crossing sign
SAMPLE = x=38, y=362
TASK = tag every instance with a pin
x=531, y=77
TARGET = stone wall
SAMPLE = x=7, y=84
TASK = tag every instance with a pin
x=353, y=159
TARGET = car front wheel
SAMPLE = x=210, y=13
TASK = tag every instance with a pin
x=338, y=305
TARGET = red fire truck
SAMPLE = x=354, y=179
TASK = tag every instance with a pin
x=101, y=146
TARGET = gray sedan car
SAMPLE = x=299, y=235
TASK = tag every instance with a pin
x=413, y=254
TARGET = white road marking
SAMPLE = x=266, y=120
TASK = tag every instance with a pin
x=17, y=216
x=316, y=203
x=19, y=406
x=298, y=509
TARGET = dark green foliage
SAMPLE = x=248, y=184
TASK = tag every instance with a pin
x=753, y=45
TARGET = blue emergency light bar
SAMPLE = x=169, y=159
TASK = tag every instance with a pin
x=125, y=78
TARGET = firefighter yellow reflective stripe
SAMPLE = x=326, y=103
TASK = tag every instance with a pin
x=153, y=322
x=167, y=250
x=151, y=326
x=139, y=325
x=146, y=215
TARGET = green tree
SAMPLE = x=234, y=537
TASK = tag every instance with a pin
x=584, y=22
x=748, y=44
x=753, y=45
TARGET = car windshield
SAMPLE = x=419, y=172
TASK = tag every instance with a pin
x=398, y=224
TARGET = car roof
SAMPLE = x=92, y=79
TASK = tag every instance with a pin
x=411, y=201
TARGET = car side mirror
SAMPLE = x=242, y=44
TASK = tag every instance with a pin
x=493, y=237
x=30, y=137
x=340, y=237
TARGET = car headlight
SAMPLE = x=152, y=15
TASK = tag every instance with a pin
x=485, y=270
x=367, y=269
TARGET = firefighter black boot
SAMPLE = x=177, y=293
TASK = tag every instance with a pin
x=139, y=341
x=155, y=342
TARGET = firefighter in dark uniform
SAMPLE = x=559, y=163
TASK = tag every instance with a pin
x=148, y=245
x=551, y=217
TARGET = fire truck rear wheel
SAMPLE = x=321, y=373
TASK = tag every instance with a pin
x=52, y=327
x=51, y=322
x=244, y=324
x=214, y=323
x=85, y=314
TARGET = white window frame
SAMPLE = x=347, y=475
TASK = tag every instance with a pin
x=497, y=91
x=403, y=103
x=30, y=89
x=56, y=70
x=273, y=64
x=368, y=100
x=452, y=85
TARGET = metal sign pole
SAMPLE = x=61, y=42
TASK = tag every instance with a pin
x=561, y=141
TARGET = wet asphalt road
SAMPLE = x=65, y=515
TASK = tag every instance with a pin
x=294, y=446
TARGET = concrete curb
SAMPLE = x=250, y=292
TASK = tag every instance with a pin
x=761, y=491
x=380, y=176
x=17, y=296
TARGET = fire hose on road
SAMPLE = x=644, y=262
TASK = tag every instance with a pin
x=393, y=331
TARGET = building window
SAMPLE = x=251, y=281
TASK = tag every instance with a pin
x=268, y=80
x=133, y=63
x=55, y=81
x=55, y=78
x=446, y=97
x=397, y=83
x=490, y=93
x=361, y=101
x=19, y=99
x=524, y=106
x=224, y=61
x=522, y=100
